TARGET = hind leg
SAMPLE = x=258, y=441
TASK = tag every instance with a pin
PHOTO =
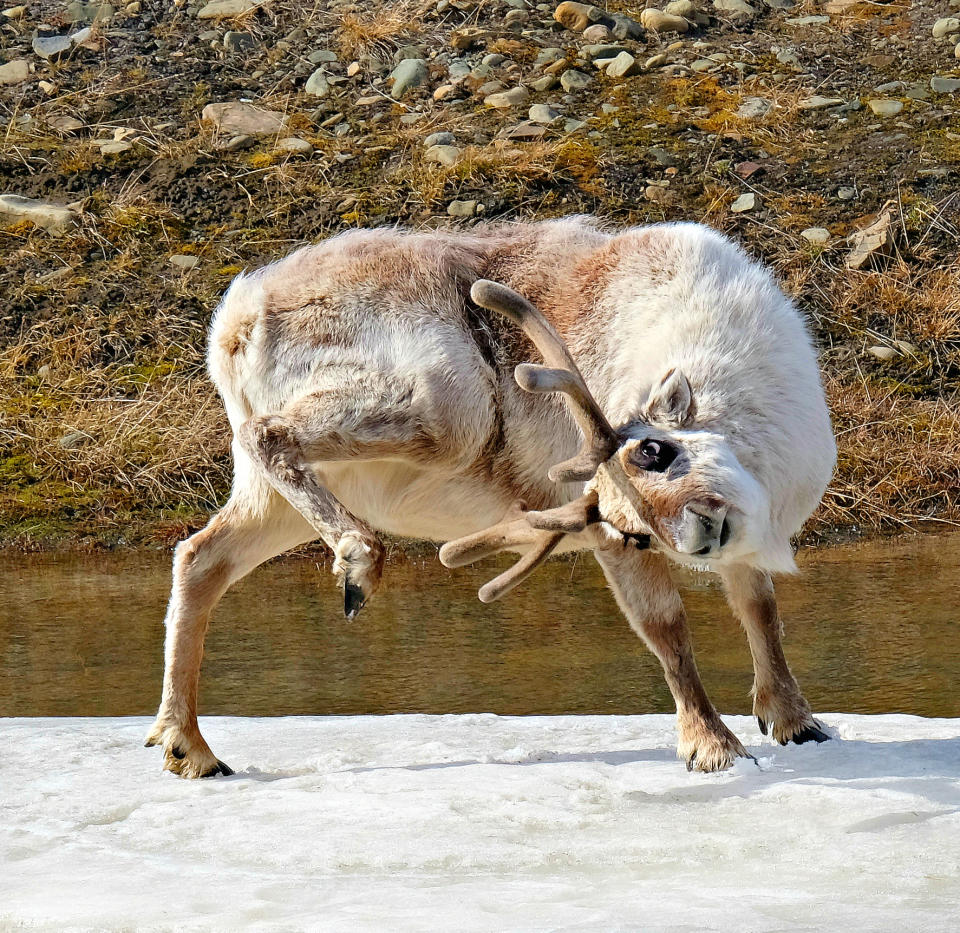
x=255, y=525
x=778, y=704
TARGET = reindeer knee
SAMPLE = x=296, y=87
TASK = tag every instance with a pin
x=271, y=441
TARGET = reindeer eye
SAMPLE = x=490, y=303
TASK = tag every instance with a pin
x=654, y=456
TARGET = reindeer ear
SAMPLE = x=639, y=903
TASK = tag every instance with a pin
x=670, y=401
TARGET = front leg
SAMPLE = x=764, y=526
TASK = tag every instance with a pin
x=778, y=704
x=648, y=598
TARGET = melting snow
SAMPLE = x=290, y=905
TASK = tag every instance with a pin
x=477, y=823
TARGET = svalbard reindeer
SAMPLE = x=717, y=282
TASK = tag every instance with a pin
x=369, y=382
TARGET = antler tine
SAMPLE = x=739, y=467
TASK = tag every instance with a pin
x=560, y=375
x=522, y=569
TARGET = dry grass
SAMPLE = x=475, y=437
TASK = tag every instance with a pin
x=380, y=31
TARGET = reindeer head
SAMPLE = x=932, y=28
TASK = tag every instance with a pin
x=652, y=482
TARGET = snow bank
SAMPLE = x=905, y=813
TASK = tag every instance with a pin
x=476, y=823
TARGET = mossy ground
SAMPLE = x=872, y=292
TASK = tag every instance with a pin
x=109, y=430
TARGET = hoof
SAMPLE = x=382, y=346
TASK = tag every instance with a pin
x=353, y=599
x=811, y=733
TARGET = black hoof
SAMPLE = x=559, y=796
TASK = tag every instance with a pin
x=691, y=760
x=353, y=599
x=762, y=723
x=178, y=753
x=218, y=768
x=149, y=743
x=810, y=734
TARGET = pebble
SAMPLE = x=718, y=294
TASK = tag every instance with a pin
x=548, y=56
x=440, y=138
x=51, y=217
x=15, y=12
x=684, y=8
x=236, y=143
x=945, y=27
x=238, y=41
x=80, y=12
x=746, y=202
x=623, y=66
x=655, y=61
x=819, y=236
x=462, y=208
x=944, y=85
x=754, y=108
x=64, y=123
x=445, y=155
x=114, y=147
x=295, y=145
x=819, y=103
x=74, y=440
x=546, y=83
x=51, y=46
x=503, y=100
x=409, y=74
x=735, y=7
x=238, y=118
x=574, y=16
x=597, y=33
x=658, y=21
x=221, y=9
x=846, y=193
x=184, y=261
x=321, y=56
x=886, y=354
x=885, y=108
x=573, y=80
x=15, y=72
x=807, y=20
x=543, y=113
x=877, y=239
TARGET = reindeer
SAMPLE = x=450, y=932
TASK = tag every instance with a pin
x=369, y=383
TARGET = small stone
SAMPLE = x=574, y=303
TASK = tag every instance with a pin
x=546, y=83
x=846, y=193
x=114, y=147
x=571, y=126
x=655, y=61
x=15, y=12
x=819, y=103
x=549, y=56
x=886, y=354
x=754, y=108
x=593, y=52
x=543, y=113
x=574, y=16
x=409, y=74
x=956, y=51
x=623, y=27
x=807, y=20
x=819, y=236
x=321, y=56
x=444, y=91
x=462, y=208
x=236, y=143
x=503, y=100
x=885, y=108
x=662, y=157
x=942, y=85
x=184, y=261
x=317, y=84
x=875, y=240
x=735, y=7
x=658, y=21
x=441, y=138
x=48, y=87
x=238, y=118
x=746, y=202
x=597, y=33
x=74, y=440
x=238, y=41
x=515, y=18
x=51, y=47
x=445, y=155
x=684, y=8
x=223, y=9
x=491, y=87
x=573, y=80
x=467, y=38
x=623, y=66
x=15, y=72
x=946, y=26
x=523, y=130
x=51, y=217
x=295, y=145
x=80, y=12
x=64, y=123
x=789, y=57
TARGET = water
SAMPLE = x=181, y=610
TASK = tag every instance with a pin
x=870, y=628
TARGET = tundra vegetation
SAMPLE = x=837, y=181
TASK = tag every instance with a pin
x=822, y=136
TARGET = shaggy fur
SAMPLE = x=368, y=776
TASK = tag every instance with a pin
x=367, y=394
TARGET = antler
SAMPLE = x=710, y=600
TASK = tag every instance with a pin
x=541, y=532
x=559, y=375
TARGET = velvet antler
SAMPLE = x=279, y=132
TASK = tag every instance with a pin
x=540, y=532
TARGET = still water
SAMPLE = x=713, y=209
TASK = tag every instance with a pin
x=870, y=628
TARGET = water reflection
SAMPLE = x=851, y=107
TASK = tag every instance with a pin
x=869, y=628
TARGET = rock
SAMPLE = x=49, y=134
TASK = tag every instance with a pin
x=659, y=21
x=543, y=113
x=503, y=100
x=295, y=145
x=238, y=118
x=467, y=38
x=819, y=236
x=515, y=18
x=444, y=91
x=445, y=155
x=549, y=56
x=623, y=66
x=462, y=208
x=754, y=108
x=546, y=83
x=51, y=217
x=15, y=72
x=746, y=202
x=223, y=9
x=236, y=143
x=524, y=130
x=846, y=193
x=184, y=261
x=886, y=354
x=819, y=103
x=238, y=41
x=80, y=12
x=64, y=123
x=573, y=80
x=788, y=57
x=623, y=27
x=945, y=27
x=684, y=8
x=875, y=240
x=571, y=125
x=74, y=440
x=956, y=51
x=597, y=33
x=662, y=157
x=655, y=61
x=807, y=20
x=317, y=84
x=441, y=138
x=885, y=108
x=593, y=52
x=322, y=56
x=575, y=16
x=945, y=85
x=409, y=74
x=114, y=147
x=51, y=47
x=15, y=12
x=491, y=87
x=735, y=8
